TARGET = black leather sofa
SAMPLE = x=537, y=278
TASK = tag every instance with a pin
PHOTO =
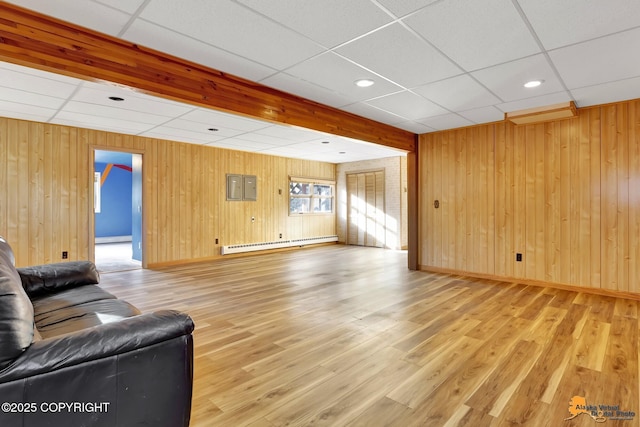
x=72, y=354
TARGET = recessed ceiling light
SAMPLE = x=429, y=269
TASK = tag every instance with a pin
x=533, y=83
x=116, y=98
x=364, y=82
x=213, y=129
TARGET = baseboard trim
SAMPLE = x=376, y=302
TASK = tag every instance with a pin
x=532, y=282
x=230, y=256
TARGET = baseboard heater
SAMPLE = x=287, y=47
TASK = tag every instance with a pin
x=250, y=247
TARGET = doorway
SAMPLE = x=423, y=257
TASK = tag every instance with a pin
x=366, y=218
x=117, y=210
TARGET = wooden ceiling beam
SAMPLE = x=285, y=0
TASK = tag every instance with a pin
x=38, y=41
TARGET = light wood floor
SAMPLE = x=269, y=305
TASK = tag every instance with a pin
x=341, y=335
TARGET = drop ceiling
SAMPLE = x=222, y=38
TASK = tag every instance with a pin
x=436, y=64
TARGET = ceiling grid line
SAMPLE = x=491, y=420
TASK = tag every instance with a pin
x=133, y=18
x=516, y=4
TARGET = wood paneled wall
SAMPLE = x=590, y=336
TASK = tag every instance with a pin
x=46, y=194
x=564, y=194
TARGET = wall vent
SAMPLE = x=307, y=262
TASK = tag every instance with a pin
x=250, y=247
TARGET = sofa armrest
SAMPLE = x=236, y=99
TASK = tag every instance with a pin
x=48, y=278
x=98, y=342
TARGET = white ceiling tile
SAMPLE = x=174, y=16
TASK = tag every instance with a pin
x=352, y=150
x=458, y=93
x=341, y=144
x=299, y=149
x=407, y=105
x=285, y=152
x=79, y=119
x=264, y=139
x=475, y=34
x=599, y=61
x=113, y=113
x=535, y=102
x=338, y=158
x=345, y=19
x=128, y=6
x=336, y=73
x=110, y=127
x=483, y=114
x=356, y=157
x=374, y=113
x=560, y=23
x=507, y=80
x=29, y=98
x=98, y=94
x=359, y=145
x=305, y=89
x=226, y=146
x=402, y=7
x=446, y=121
x=87, y=14
x=177, y=138
x=241, y=144
x=415, y=127
x=233, y=28
x=38, y=73
x=607, y=92
x=38, y=82
x=203, y=129
x=28, y=112
x=342, y=158
x=289, y=133
x=181, y=135
x=397, y=54
x=219, y=120
x=335, y=145
x=165, y=133
x=153, y=36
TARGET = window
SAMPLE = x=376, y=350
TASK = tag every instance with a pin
x=308, y=196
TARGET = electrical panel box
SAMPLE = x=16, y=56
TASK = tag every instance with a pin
x=234, y=187
x=250, y=186
x=242, y=187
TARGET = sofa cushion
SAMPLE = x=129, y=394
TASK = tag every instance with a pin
x=16, y=311
x=82, y=316
x=68, y=298
x=49, y=278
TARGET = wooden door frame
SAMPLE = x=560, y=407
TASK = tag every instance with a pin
x=91, y=222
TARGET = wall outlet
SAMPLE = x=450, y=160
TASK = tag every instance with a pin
x=519, y=257
x=280, y=235
x=216, y=240
x=65, y=254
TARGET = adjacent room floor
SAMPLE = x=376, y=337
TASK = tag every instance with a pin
x=115, y=257
x=348, y=336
